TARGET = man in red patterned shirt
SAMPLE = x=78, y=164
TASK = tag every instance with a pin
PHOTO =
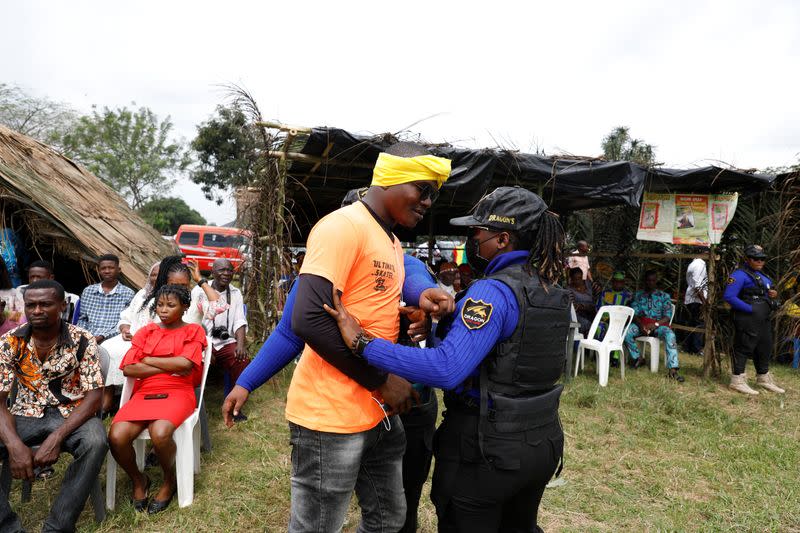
x=59, y=388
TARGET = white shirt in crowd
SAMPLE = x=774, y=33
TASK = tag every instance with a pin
x=696, y=278
x=449, y=289
x=575, y=260
x=233, y=317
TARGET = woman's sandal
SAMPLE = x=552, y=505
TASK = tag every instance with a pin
x=141, y=506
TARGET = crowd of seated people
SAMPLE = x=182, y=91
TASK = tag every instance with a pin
x=156, y=336
x=653, y=309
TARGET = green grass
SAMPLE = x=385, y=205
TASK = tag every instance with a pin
x=645, y=454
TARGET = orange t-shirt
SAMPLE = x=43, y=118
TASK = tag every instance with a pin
x=350, y=249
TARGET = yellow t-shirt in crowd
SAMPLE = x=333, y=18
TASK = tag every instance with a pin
x=353, y=251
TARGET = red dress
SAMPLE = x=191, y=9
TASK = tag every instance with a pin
x=154, y=341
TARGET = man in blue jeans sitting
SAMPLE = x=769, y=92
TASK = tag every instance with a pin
x=59, y=383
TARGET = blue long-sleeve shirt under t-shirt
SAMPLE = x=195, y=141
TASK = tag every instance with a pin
x=737, y=282
x=283, y=345
x=463, y=349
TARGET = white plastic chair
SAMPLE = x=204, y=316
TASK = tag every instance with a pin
x=619, y=320
x=655, y=345
x=187, y=439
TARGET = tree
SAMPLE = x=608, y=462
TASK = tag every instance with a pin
x=620, y=236
x=168, y=214
x=226, y=152
x=41, y=118
x=129, y=150
x=620, y=146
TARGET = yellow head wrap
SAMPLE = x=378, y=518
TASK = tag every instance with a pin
x=392, y=170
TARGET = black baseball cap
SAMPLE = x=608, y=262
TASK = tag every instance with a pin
x=354, y=195
x=755, y=251
x=506, y=208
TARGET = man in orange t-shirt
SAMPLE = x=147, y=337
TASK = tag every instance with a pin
x=342, y=439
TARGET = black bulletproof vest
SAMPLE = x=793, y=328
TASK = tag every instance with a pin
x=755, y=293
x=532, y=359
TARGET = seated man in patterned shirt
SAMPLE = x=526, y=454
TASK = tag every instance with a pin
x=652, y=313
x=59, y=382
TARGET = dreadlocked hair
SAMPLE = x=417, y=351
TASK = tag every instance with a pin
x=178, y=291
x=169, y=265
x=547, y=248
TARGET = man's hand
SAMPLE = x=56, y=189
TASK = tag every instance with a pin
x=419, y=326
x=348, y=326
x=48, y=452
x=436, y=302
x=125, y=332
x=398, y=394
x=233, y=404
x=241, y=352
x=99, y=339
x=21, y=460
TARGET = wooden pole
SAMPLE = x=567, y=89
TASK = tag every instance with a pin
x=431, y=238
x=305, y=158
x=711, y=362
x=283, y=127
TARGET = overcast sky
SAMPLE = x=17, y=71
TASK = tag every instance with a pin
x=701, y=80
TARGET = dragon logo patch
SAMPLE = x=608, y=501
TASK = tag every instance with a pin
x=476, y=313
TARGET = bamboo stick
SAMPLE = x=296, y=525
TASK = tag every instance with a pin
x=305, y=158
x=283, y=127
x=711, y=363
x=317, y=165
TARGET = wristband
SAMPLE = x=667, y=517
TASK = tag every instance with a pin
x=201, y=282
x=360, y=343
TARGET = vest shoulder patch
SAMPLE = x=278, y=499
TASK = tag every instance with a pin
x=476, y=313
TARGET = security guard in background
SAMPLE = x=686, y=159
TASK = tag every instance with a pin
x=752, y=297
x=498, y=362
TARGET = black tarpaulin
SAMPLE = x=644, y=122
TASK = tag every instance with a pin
x=341, y=161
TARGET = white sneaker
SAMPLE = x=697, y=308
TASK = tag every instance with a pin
x=739, y=384
x=765, y=381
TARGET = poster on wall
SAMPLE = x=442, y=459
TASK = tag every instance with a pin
x=694, y=219
x=691, y=219
x=657, y=217
x=722, y=207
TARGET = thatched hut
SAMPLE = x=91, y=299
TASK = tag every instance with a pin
x=62, y=213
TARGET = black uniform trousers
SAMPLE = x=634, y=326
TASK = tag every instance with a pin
x=420, y=425
x=502, y=495
x=753, y=338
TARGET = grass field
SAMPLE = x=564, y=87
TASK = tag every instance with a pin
x=645, y=454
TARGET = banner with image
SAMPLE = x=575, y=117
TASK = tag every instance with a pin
x=694, y=219
x=657, y=217
x=691, y=219
x=722, y=207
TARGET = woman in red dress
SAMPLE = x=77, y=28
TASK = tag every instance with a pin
x=167, y=360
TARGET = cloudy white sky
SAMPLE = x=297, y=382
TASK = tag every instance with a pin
x=701, y=80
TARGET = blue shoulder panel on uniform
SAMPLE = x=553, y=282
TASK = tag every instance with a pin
x=278, y=350
x=491, y=319
x=737, y=281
